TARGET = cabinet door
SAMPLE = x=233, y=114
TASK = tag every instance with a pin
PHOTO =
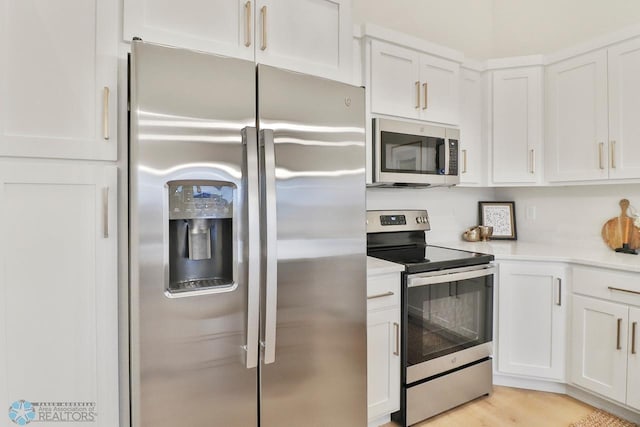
x=471, y=153
x=219, y=26
x=58, y=78
x=439, y=83
x=395, y=80
x=517, y=125
x=599, y=347
x=310, y=36
x=58, y=286
x=532, y=320
x=577, y=122
x=624, y=110
x=383, y=362
x=633, y=374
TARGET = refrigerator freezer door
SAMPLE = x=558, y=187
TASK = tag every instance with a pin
x=192, y=122
x=314, y=369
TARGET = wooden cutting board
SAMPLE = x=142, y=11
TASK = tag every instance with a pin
x=613, y=231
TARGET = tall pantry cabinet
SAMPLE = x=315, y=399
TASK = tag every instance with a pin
x=58, y=197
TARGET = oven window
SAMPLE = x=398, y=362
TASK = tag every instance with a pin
x=402, y=153
x=448, y=317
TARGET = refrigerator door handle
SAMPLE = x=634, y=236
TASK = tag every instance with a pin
x=250, y=140
x=271, y=241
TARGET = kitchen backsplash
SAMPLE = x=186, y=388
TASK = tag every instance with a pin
x=451, y=210
x=567, y=214
x=571, y=214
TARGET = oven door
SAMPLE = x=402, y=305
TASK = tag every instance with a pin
x=448, y=320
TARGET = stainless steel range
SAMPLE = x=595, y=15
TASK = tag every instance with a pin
x=447, y=312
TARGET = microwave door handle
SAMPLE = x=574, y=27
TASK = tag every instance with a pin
x=271, y=242
x=250, y=140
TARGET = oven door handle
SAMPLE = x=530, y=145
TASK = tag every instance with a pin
x=417, y=280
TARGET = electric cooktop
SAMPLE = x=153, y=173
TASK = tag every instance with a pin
x=398, y=236
x=421, y=259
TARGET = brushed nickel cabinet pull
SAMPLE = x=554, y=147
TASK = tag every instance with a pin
x=613, y=154
x=396, y=327
x=417, y=95
x=532, y=161
x=247, y=23
x=464, y=161
x=633, y=337
x=559, y=300
x=600, y=150
x=425, y=88
x=105, y=212
x=386, y=294
x=611, y=288
x=263, y=15
x=105, y=113
x=618, y=345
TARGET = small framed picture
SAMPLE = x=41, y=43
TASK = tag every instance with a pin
x=501, y=216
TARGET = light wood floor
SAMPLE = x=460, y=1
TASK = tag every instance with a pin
x=513, y=407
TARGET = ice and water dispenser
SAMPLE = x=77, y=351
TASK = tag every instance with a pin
x=201, y=243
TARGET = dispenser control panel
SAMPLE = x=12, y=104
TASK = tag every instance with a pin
x=200, y=199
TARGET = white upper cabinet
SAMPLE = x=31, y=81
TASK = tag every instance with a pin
x=310, y=36
x=395, y=80
x=439, y=80
x=411, y=84
x=577, y=129
x=58, y=79
x=593, y=103
x=220, y=26
x=471, y=129
x=516, y=133
x=313, y=36
x=624, y=110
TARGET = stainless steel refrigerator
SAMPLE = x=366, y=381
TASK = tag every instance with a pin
x=247, y=244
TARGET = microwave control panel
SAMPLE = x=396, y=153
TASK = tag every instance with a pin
x=453, y=157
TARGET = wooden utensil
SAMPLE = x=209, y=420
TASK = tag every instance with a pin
x=620, y=230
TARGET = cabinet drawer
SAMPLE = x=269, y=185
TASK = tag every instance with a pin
x=612, y=285
x=383, y=291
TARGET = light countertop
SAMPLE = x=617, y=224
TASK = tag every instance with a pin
x=376, y=266
x=598, y=256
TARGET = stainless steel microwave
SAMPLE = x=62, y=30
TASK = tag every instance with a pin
x=413, y=154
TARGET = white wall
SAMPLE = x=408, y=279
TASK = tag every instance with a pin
x=451, y=210
x=573, y=214
x=523, y=27
x=485, y=29
x=464, y=25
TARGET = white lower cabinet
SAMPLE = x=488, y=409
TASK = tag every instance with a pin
x=58, y=289
x=633, y=385
x=532, y=313
x=599, y=361
x=383, y=345
x=605, y=335
x=383, y=357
